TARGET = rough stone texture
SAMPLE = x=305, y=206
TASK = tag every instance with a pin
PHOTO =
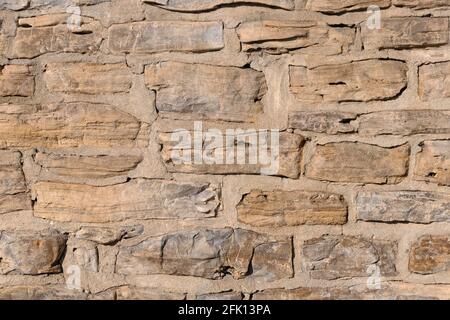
x=340, y=6
x=203, y=5
x=358, y=162
x=291, y=208
x=53, y=292
x=335, y=257
x=358, y=81
x=209, y=253
x=433, y=162
x=430, y=255
x=403, y=206
x=422, y=4
x=323, y=122
x=434, y=81
x=16, y=80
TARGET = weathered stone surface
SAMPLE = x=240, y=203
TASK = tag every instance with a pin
x=137, y=199
x=331, y=122
x=287, y=164
x=47, y=292
x=108, y=236
x=388, y=291
x=205, y=5
x=16, y=80
x=202, y=91
x=357, y=81
x=359, y=163
x=14, y=4
x=430, y=255
x=69, y=125
x=406, y=33
x=221, y=296
x=160, y=36
x=403, y=206
x=141, y=293
x=341, y=6
x=87, y=78
x=13, y=189
x=434, y=81
x=291, y=208
x=422, y=4
x=433, y=162
x=283, y=36
x=405, y=122
x=209, y=253
x=334, y=257
x=52, y=33
x=31, y=252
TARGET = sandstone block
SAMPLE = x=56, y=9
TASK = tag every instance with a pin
x=433, y=162
x=342, y=6
x=334, y=122
x=142, y=293
x=430, y=255
x=434, y=81
x=16, y=80
x=47, y=292
x=422, y=4
x=206, y=5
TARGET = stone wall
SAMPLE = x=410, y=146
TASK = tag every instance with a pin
x=93, y=206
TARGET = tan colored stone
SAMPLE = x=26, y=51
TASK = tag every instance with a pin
x=197, y=91
x=422, y=4
x=14, y=4
x=430, y=255
x=31, y=252
x=137, y=199
x=434, y=81
x=331, y=122
x=108, y=236
x=291, y=208
x=161, y=36
x=433, y=162
x=47, y=292
x=406, y=33
x=230, y=295
x=334, y=257
x=69, y=125
x=209, y=253
x=205, y=5
x=357, y=81
x=341, y=6
x=87, y=78
x=16, y=80
x=142, y=293
x=358, y=163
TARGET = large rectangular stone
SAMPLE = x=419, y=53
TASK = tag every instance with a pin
x=291, y=208
x=209, y=253
x=206, y=5
x=70, y=125
x=433, y=162
x=406, y=33
x=422, y=4
x=31, y=252
x=161, y=36
x=342, y=6
x=403, y=206
x=16, y=80
x=333, y=257
x=196, y=91
x=434, y=81
x=430, y=255
x=357, y=81
x=358, y=163
x=331, y=122
x=137, y=199
x=283, y=36
x=87, y=78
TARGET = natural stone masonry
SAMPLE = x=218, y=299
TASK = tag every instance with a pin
x=16, y=80
x=323, y=122
x=334, y=257
x=203, y=5
x=291, y=208
x=341, y=6
x=434, y=81
x=357, y=81
x=430, y=255
x=433, y=162
x=422, y=4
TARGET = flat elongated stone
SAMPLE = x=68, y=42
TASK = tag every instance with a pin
x=199, y=91
x=291, y=208
x=160, y=36
x=231, y=295
x=403, y=206
x=13, y=189
x=434, y=81
x=142, y=293
x=31, y=252
x=406, y=33
x=331, y=122
x=14, y=4
x=47, y=292
x=341, y=6
x=87, y=78
x=333, y=257
x=283, y=36
x=357, y=81
x=16, y=80
x=70, y=125
x=433, y=162
x=204, y=5
x=107, y=236
x=209, y=253
x=422, y=4
x=358, y=162
x=430, y=255
x=405, y=122
x=137, y=199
